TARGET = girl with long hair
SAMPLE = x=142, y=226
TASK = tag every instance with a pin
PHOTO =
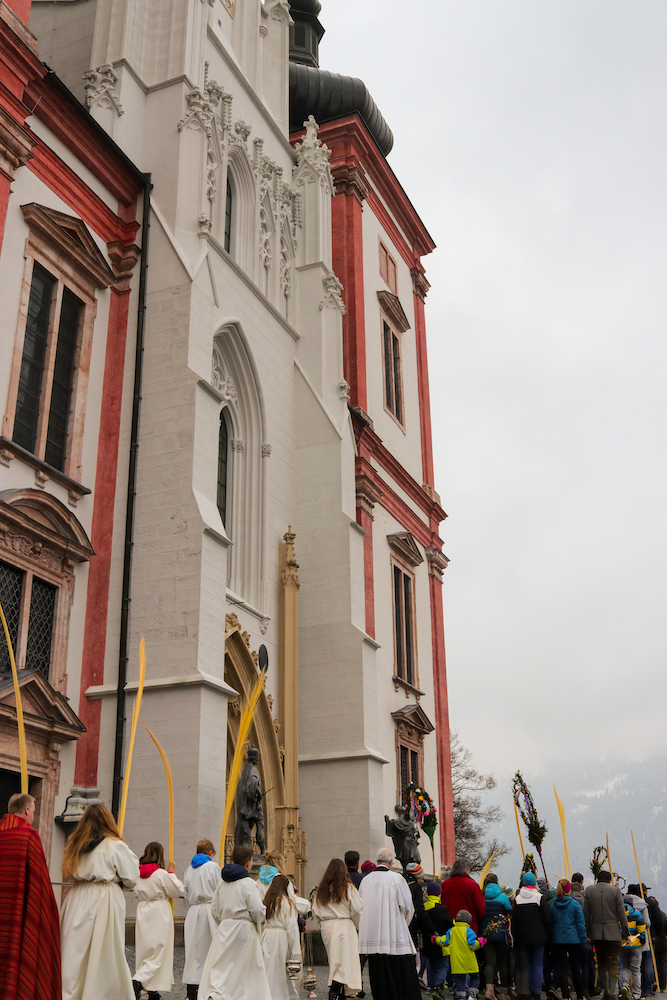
x=155, y=923
x=338, y=907
x=280, y=937
x=92, y=925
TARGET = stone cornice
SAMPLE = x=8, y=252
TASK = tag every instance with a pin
x=349, y=178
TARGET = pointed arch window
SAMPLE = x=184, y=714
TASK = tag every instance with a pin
x=223, y=466
x=229, y=200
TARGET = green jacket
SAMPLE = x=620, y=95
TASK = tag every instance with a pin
x=461, y=944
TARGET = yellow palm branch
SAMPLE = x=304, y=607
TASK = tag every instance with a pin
x=566, y=853
x=133, y=733
x=486, y=869
x=247, y=712
x=170, y=788
x=23, y=753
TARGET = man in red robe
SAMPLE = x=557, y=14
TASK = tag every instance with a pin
x=29, y=928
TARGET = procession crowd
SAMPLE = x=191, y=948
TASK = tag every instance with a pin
x=243, y=936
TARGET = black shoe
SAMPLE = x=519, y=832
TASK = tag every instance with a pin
x=192, y=989
x=137, y=988
x=152, y=995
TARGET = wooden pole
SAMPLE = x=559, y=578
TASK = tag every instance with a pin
x=23, y=753
x=518, y=830
x=611, y=870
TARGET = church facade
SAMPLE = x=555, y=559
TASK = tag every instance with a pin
x=273, y=498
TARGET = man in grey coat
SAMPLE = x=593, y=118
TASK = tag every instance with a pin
x=607, y=926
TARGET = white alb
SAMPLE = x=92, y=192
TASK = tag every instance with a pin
x=339, y=923
x=200, y=927
x=92, y=925
x=155, y=930
x=388, y=910
x=280, y=942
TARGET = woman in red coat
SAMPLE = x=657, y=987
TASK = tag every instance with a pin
x=460, y=892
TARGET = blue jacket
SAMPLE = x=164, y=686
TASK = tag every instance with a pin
x=497, y=904
x=567, y=921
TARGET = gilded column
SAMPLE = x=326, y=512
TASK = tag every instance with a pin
x=293, y=842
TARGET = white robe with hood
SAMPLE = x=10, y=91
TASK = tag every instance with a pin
x=92, y=925
x=234, y=967
x=200, y=884
x=155, y=930
x=267, y=873
x=280, y=942
x=339, y=923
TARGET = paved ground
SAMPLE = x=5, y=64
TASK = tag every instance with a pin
x=178, y=992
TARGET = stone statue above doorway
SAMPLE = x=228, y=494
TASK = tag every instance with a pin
x=249, y=809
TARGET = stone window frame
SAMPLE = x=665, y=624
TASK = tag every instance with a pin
x=32, y=546
x=64, y=248
x=411, y=727
x=405, y=556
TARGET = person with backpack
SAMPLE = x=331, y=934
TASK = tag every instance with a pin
x=530, y=923
x=496, y=950
x=437, y=962
x=630, y=959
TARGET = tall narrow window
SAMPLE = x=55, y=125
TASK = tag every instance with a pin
x=31, y=377
x=388, y=268
x=29, y=605
x=44, y=398
x=223, y=467
x=228, y=218
x=393, y=389
x=403, y=625
x=63, y=377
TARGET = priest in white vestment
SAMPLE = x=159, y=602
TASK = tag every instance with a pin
x=92, y=922
x=384, y=932
x=234, y=968
x=154, y=930
x=201, y=880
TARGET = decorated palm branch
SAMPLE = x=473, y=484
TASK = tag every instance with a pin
x=496, y=924
x=598, y=861
x=535, y=828
x=422, y=810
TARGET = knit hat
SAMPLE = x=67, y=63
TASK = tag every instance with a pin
x=414, y=869
x=567, y=886
x=368, y=867
x=463, y=917
x=528, y=879
x=433, y=889
x=542, y=884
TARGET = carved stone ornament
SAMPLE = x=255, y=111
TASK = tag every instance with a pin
x=202, y=106
x=238, y=445
x=344, y=389
x=315, y=154
x=437, y=562
x=224, y=385
x=368, y=494
x=263, y=625
x=15, y=145
x=290, y=575
x=232, y=622
x=266, y=451
x=100, y=87
x=333, y=288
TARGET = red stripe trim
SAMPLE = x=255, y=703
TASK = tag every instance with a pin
x=62, y=180
x=424, y=392
x=97, y=600
x=443, y=752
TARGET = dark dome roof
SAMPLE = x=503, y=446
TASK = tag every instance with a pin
x=327, y=95
x=305, y=6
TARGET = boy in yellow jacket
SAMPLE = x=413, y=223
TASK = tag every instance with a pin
x=461, y=943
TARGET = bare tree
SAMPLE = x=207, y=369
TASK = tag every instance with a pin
x=472, y=818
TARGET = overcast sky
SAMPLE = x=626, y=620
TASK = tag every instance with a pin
x=531, y=137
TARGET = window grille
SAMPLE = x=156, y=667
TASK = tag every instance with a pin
x=11, y=587
x=40, y=626
x=403, y=625
x=393, y=391
x=63, y=377
x=405, y=773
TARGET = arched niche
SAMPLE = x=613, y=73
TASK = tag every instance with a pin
x=241, y=673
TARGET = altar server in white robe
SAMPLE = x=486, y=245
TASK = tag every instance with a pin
x=92, y=923
x=154, y=933
x=384, y=934
x=338, y=907
x=234, y=967
x=280, y=938
x=274, y=865
x=201, y=880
